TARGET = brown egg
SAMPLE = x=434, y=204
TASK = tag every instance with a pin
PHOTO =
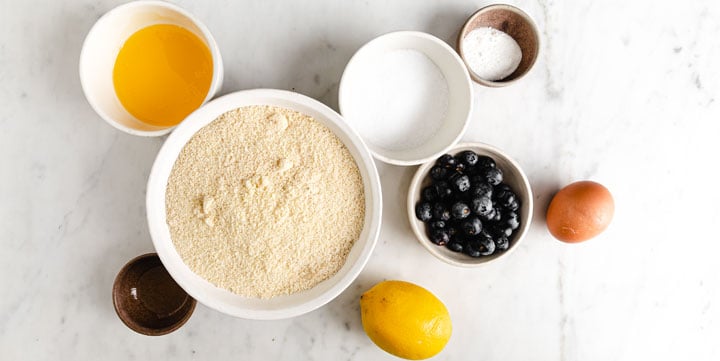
x=580, y=211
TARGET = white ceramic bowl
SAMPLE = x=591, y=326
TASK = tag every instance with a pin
x=512, y=175
x=103, y=43
x=459, y=94
x=226, y=301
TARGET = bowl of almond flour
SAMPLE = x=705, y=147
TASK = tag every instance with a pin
x=264, y=204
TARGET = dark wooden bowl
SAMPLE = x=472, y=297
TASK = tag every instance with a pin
x=148, y=300
x=513, y=22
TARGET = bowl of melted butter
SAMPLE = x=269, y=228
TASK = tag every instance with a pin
x=146, y=65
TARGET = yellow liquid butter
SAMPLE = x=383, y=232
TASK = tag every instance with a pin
x=162, y=74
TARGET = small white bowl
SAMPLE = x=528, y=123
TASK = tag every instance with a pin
x=512, y=175
x=459, y=94
x=282, y=306
x=103, y=43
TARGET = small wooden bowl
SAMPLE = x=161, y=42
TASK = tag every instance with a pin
x=148, y=300
x=513, y=22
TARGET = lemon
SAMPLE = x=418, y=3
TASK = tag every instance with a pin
x=405, y=319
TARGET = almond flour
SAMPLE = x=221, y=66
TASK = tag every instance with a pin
x=265, y=201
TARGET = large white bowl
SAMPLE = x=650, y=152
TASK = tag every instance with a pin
x=226, y=301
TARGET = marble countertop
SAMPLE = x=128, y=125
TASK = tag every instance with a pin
x=623, y=93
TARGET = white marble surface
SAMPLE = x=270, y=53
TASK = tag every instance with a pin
x=624, y=93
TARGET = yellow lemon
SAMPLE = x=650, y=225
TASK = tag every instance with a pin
x=405, y=319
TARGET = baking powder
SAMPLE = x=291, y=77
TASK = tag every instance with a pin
x=491, y=54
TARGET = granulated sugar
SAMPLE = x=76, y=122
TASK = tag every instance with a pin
x=401, y=102
x=265, y=201
x=491, y=54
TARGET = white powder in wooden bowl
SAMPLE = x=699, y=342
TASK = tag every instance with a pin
x=265, y=201
x=491, y=54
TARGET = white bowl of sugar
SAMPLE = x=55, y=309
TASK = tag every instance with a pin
x=409, y=96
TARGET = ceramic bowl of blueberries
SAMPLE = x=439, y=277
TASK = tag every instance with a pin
x=471, y=206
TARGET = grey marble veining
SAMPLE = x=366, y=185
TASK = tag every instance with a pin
x=624, y=93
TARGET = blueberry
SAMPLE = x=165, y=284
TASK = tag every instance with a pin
x=513, y=206
x=472, y=248
x=500, y=192
x=471, y=170
x=485, y=233
x=495, y=230
x=460, y=210
x=453, y=231
x=506, y=231
x=503, y=187
x=479, y=246
x=440, y=212
x=490, y=216
x=460, y=182
x=505, y=198
x=472, y=226
x=497, y=217
x=437, y=225
x=430, y=194
x=509, y=198
x=468, y=157
x=423, y=211
x=482, y=206
x=443, y=189
x=452, y=174
x=485, y=162
x=488, y=246
x=439, y=237
x=455, y=246
x=502, y=243
x=511, y=220
x=494, y=176
x=438, y=172
x=447, y=161
x=479, y=187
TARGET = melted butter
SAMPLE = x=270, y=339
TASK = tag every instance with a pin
x=162, y=74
